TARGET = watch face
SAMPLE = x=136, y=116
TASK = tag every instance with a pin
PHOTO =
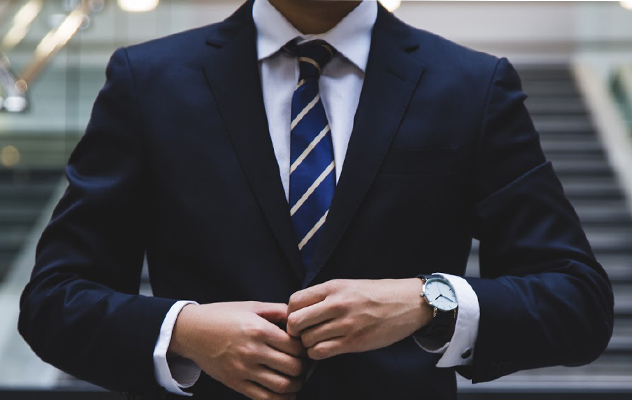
x=440, y=295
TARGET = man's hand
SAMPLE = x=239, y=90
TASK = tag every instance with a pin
x=239, y=345
x=349, y=316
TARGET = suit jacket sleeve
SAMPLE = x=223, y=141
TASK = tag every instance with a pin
x=544, y=300
x=81, y=311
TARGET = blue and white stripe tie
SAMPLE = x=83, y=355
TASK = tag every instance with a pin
x=312, y=166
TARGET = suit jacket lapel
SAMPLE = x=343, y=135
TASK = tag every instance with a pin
x=392, y=75
x=233, y=73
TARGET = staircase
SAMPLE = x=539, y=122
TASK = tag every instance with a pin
x=26, y=188
x=571, y=144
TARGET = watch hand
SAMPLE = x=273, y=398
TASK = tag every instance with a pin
x=447, y=298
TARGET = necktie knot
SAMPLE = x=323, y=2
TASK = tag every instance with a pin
x=312, y=56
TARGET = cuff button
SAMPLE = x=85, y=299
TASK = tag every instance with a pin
x=466, y=354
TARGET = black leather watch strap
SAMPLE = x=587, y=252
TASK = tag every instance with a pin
x=441, y=327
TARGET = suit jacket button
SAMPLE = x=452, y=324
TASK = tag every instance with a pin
x=466, y=354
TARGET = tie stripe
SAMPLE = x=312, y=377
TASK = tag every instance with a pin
x=329, y=49
x=310, y=61
x=312, y=188
x=304, y=112
x=309, y=149
x=312, y=166
x=313, y=231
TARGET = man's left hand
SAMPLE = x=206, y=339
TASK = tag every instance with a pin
x=350, y=316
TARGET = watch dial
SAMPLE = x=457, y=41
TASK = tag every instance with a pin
x=440, y=295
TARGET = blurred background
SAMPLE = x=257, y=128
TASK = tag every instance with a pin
x=575, y=59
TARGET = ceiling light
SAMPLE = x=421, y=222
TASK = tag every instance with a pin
x=138, y=5
x=21, y=24
x=627, y=4
x=58, y=38
x=15, y=104
x=391, y=5
x=9, y=156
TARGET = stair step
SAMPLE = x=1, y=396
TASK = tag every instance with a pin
x=592, y=192
x=19, y=217
x=5, y=262
x=550, y=73
x=30, y=175
x=569, y=136
x=555, y=144
x=608, y=372
x=25, y=195
x=553, y=89
x=552, y=125
x=17, y=203
x=603, y=213
x=574, y=157
x=9, y=233
x=623, y=304
x=582, y=168
x=558, y=107
x=618, y=267
x=615, y=240
x=31, y=151
x=621, y=341
x=40, y=151
x=12, y=239
x=26, y=190
x=569, y=139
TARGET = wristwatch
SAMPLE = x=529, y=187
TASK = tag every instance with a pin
x=440, y=296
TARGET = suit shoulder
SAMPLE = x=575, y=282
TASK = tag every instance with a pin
x=440, y=54
x=188, y=48
x=447, y=54
x=176, y=48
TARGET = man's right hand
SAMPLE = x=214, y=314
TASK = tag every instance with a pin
x=239, y=345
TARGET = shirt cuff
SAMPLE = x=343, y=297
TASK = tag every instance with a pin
x=173, y=373
x=460, y=349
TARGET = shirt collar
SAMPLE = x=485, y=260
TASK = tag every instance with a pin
x=351, y=37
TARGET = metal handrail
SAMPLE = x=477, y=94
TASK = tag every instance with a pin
x=5, y=7
x=12, y=98
x=15, y=87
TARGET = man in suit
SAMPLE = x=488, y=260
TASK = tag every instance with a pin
x=295, y=175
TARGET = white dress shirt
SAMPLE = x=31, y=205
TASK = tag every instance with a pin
x=340, y=86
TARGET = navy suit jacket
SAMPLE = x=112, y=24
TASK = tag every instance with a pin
x=177, y=163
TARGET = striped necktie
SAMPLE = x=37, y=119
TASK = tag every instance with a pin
x=312, y=166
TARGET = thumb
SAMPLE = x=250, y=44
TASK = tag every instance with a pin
x=275, y=313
